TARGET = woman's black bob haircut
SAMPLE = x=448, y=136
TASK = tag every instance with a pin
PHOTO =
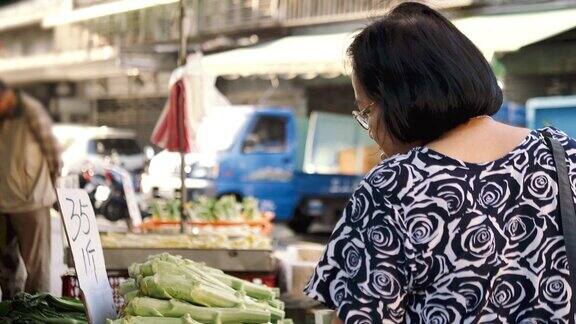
x=424, y=74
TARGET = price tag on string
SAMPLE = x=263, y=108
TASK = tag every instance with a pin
x=84, y=241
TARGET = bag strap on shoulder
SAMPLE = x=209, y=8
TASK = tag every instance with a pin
x=566, y=206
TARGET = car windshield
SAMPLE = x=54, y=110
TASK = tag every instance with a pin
x=106, y=146
x=218, y=130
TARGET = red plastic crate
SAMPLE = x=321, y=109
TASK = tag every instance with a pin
x=71, y=289
x=269, y=279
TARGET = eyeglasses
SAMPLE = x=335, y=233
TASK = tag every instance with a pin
x=362, y=115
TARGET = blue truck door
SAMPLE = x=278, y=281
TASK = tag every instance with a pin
x=267, y=163
x=559, y=112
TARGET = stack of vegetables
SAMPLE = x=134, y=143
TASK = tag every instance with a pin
x=165, y=210
x=250, y=209
x=170, y=289
x=227, y=208
x=42, y=308
x=205, y=209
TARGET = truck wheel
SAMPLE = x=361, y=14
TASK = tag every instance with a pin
x=300, y=223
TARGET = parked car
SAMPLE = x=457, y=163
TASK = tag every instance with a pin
x=89, y=146
x=292, y=165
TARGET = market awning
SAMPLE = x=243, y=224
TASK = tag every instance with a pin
x=305, y=55
x=101, y=10
x=309, y=56
x=510, y=32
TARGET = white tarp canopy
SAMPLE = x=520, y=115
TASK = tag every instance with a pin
x=306, y=55
x=309, y=56
x=510, y=32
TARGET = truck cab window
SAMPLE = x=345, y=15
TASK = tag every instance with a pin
x=267, y=136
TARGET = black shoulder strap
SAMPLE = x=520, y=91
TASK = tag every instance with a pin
x=566, y=204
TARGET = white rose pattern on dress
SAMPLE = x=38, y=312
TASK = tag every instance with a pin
x=429, y=239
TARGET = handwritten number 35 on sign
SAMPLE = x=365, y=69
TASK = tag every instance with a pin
x=79, y=216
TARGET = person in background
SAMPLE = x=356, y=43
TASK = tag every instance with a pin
x=29, y=166
x=460, y=223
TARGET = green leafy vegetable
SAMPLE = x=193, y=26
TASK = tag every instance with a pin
x=151, y=307
x=153, y=320
x=228, y=209
x=206, y=209
x=171, y=286
x=250, y=208
x=42, y=308
x=203, y=209
x=127, y=286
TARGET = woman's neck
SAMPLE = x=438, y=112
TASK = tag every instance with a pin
x=479, y=140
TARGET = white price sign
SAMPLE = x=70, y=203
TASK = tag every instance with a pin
x=131, y=199
x=84, y=241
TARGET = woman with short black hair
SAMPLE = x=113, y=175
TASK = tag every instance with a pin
x=460, y=222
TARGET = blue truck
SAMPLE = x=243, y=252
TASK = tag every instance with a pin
x=557, y=111
x=539, y=112
x=292, y=165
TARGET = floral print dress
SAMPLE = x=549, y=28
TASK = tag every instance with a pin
x=429, y=239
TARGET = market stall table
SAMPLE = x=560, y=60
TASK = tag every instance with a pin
x=119, y=259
